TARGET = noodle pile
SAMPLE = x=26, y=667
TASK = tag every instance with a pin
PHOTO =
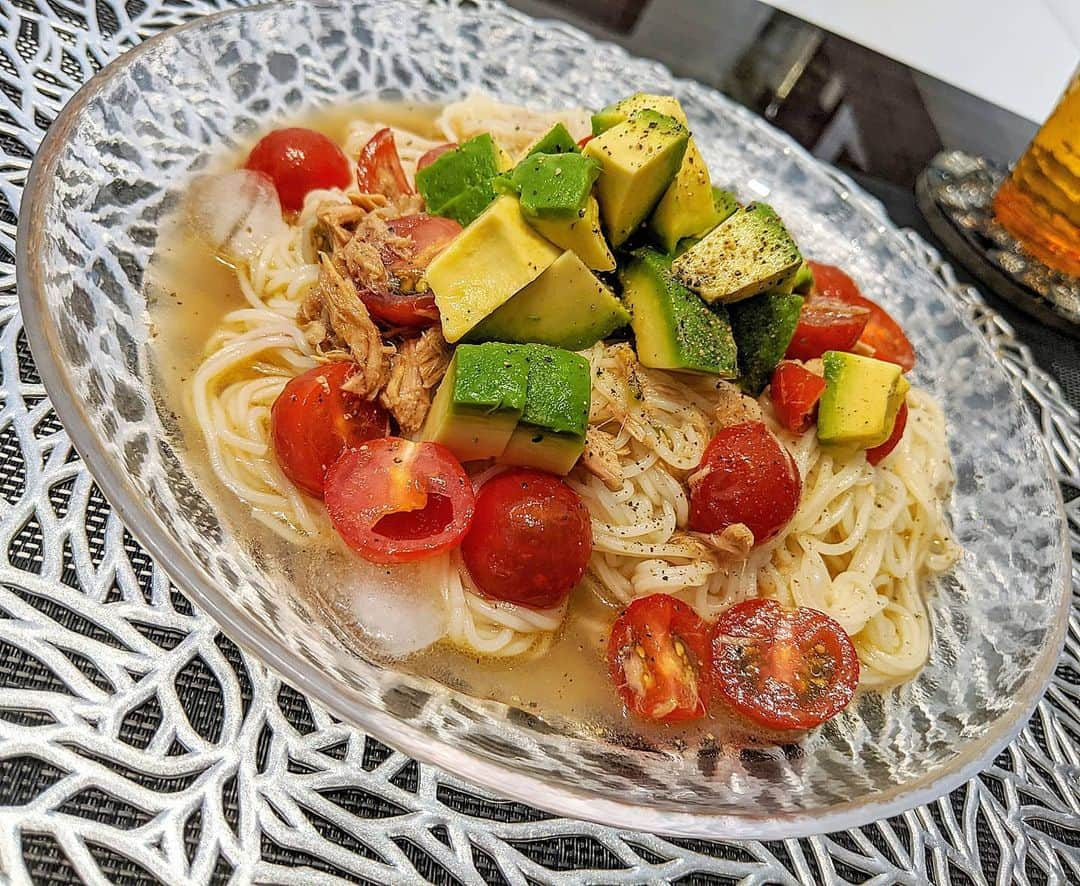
x=863, y=540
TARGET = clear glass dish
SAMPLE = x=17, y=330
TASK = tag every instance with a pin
x=116, y=160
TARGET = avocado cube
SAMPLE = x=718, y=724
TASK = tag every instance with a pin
x=554, y=186
x=493, y=258
x=619, y=112
x=763, y=328
x=862, y=397
x=473, y=163
x=673, y=327
x=638, y=159
x=803, y=282
x=581, y=234
x=479, y=401
x=687, y=208
x=557, y=140
x=566, y=307
x=750, y=253
x=466, y=207
x=725, y=203
x=551, y=433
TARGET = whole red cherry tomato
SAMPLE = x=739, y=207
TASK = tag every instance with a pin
x=299, y=160
x=747, y=477
x=530, y=541
x=313, y=421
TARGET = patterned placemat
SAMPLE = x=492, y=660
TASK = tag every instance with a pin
x=139, y=745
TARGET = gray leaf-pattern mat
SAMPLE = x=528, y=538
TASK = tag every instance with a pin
x=138, y=745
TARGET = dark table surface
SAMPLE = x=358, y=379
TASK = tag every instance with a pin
x=48, y=837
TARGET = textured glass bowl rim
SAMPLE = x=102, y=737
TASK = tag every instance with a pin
x=555, y=796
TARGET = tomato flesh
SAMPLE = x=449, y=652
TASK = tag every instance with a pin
x=395, y=306
x=394, y=501
x=530, y=540
x=378, y=168
x=878, y=453
x=429, y=157
x=313, y=421
x=827, y=324
x=747, y=477
x=782, y=668
x=882, y=334
x=660, y=659
x=795, y=392
x=299, y=160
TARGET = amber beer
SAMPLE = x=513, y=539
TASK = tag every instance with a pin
x=1039, y=203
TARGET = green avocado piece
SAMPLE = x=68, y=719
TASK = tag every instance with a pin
x=763, y=328
x=862, y=397
x=750, y=253
x=479, y=401
x=467, y=206
x=566, y=306
x=639, y=159
x=804, y=279
x=673, y=327
x=554, y=186
x=725, y=204
x=473, y=163
x=581, y=234
x=557, y=140
x=551, y=433
x=617, y=113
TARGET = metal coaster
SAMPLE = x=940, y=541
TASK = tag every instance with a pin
x=955, y=194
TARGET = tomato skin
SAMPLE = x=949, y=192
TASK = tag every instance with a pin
x=664, y=684
x=299, y=160
x=795, y=392
x=530, y=540
x=782, y=668
x=745, y=476
x=882, y=334
x=585, y=140
x=313, y=421
x=827, y=324
x=378, y=168
x=878, y=454
x=395, y=501
x=413, y=310
x=429, y=157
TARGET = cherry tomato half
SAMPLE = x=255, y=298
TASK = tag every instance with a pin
x=530, y=541
x=795, y=392
x=299, y=160
x=827, y=324
x=882, y=333
x=313, y=421
x=394, y=306
x=585, y=140
x=745, y=476
x=393, y=500
x=378, y=168
x=660, y=659
x=429, y=157
x=782, y=668
x=878, y=453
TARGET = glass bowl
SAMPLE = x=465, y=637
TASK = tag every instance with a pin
x=117, y=159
